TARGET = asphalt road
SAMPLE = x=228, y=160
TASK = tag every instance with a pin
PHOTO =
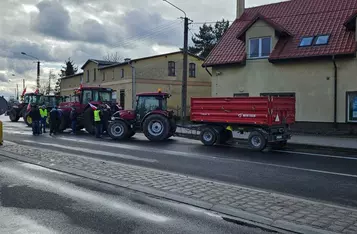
x=322, y=175
x=38, y=200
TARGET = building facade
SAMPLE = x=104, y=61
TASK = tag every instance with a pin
x=293, y=48
x=151, y=73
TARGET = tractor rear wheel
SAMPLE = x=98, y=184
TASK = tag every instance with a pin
x=88, y=121
x=63, y=123
x=156, y=127
x=118, y=130
x=14, y=117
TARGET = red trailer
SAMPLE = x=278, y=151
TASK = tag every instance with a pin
x=266, y=118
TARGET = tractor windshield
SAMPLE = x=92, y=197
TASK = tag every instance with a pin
x=32, y=99
x=102, y=96
x=50, y=101
x=150, y=103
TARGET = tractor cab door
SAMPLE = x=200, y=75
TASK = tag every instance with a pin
x=146, y=104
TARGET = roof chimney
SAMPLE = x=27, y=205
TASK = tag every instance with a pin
x=240, y=8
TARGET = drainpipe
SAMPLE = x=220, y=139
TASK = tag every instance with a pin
x=335, y=93
x=208, y=71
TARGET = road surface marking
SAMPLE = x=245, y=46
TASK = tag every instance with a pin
x=91, y=151
x=317, y=155
x=226, y=159
x=81, y=194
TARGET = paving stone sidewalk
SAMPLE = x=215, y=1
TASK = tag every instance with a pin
x=255, y=205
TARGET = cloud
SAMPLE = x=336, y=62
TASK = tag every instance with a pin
x=52, y=20
x=3, y=78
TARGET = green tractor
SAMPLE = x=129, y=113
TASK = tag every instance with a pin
x=49, y=101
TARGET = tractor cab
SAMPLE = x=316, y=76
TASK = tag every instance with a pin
x=150, y=102
x=32, y=98
x=95, y=95
x=51, y=100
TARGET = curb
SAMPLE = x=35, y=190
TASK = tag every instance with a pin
x=292, y=145
x=238, y=215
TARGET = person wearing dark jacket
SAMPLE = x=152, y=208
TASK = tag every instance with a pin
x=54, y=120
x=105, y=118
x=36, y=117
x=73, y=116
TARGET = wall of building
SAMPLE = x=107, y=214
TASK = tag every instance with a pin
x=311, y=81
x=69, y=84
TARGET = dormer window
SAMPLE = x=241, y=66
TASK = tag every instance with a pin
x=306, y=41
x=259, y=47
x=322, y=40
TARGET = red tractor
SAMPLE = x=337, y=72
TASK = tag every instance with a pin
x=150, y=116
x=82, y=100
x=17, y=111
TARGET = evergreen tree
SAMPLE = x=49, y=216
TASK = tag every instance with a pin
x=207, y=38
x=70, y=68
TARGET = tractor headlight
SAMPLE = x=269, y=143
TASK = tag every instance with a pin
x=15, y=106
x=113, y=118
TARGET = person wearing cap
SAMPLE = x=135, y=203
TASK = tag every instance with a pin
x=43, y=113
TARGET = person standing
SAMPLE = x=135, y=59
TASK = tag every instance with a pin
x=36, y=117
x=98, y=122
x=43, y=113
x=105, y=118
x=54, y=120
x=73, y=116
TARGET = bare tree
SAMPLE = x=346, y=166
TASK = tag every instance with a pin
x=113, y=57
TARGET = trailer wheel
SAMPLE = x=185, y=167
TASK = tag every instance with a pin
x=13, y=115
x=118, y=130
x=208, y=136
x=156, y=127
x=257, y=141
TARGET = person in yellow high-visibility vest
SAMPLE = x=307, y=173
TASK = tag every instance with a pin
x=98, y=121
x=44, y=114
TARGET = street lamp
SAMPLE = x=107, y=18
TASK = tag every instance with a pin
x=185, y=55
x=38, y=67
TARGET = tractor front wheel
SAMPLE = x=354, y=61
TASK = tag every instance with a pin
x=28, y=120
x=118, y=130
x=156, y=127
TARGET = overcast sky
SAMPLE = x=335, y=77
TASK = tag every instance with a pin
x=54, y=30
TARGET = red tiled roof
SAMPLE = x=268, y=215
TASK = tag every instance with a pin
x=298, y=17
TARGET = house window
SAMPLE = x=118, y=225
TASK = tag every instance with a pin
x=192, y=70
x=94, y=74
x=171, y=68
x=103, y=76
x=241, y=95
x=306, y=41
x=278, y=94
x=87, y=76
x=122, y=73
x=351, y=106
x=322, y=40
x=259, y=47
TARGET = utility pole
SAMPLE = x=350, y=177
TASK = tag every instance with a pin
x=17, y=91
x=133, y=82
x=38, y=74
x=38, y=68
x=23, y=84
x=184, y=70
x=184, y=75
